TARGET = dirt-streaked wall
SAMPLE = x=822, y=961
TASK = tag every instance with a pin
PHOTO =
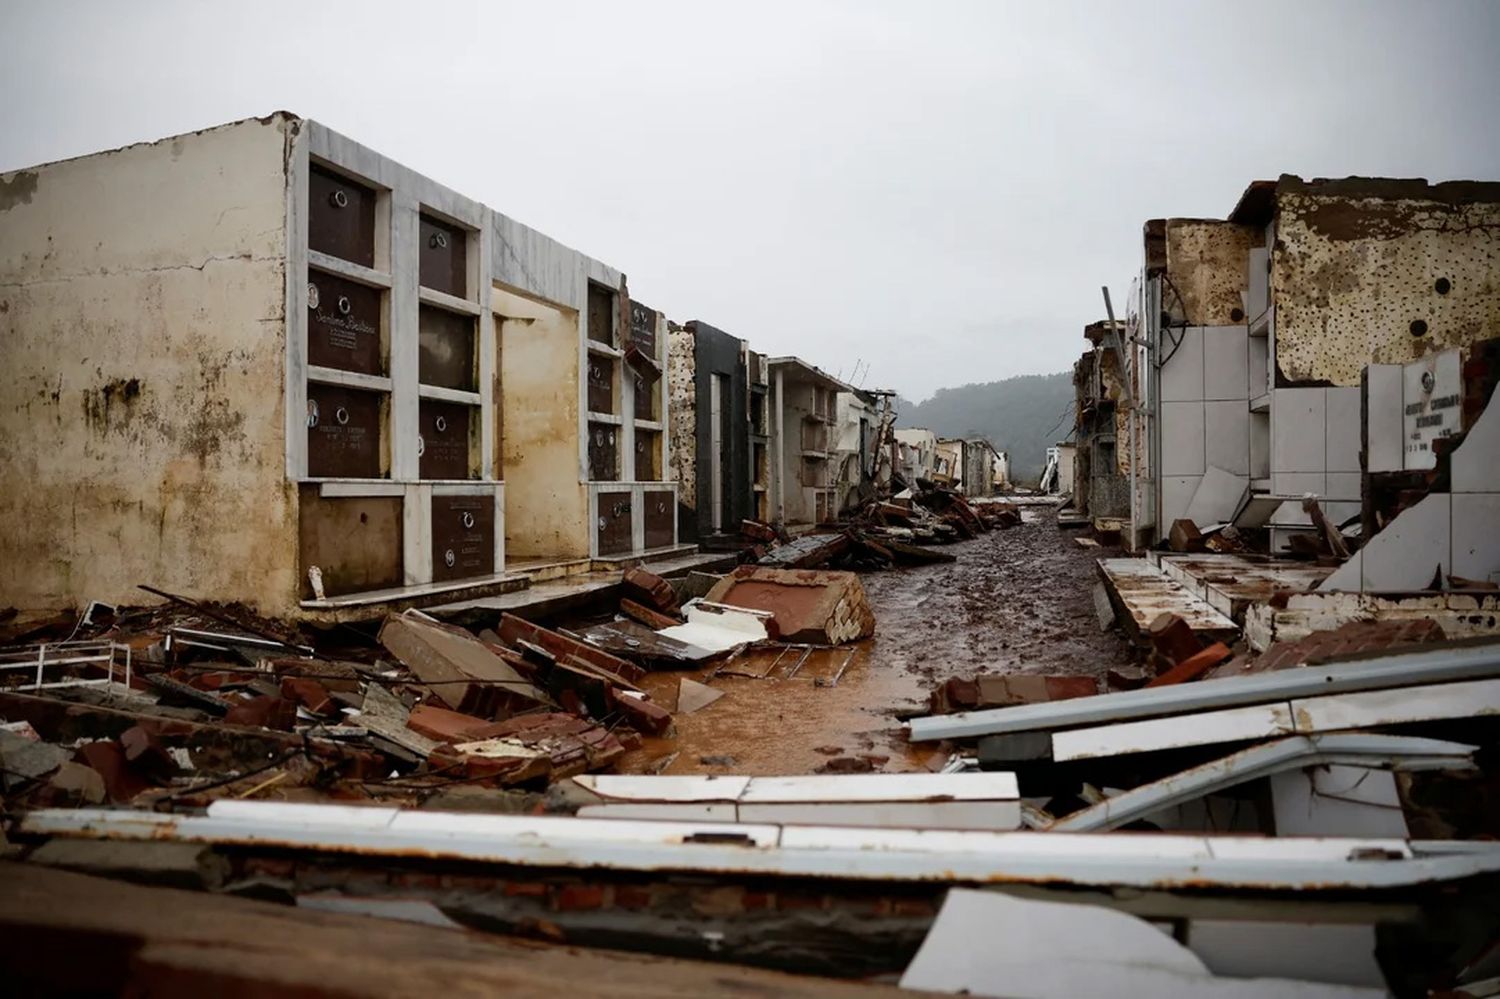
x=1381, y=271
x=1207, y=271
x=142, y=300
x=546, y=507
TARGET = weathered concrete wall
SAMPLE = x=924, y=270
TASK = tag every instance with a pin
x=1380, y=271
x=682, y=400
x=546, y=505
x=1207, y=267
x=142, y=300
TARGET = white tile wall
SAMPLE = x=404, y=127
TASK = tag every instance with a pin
x=1226, y=436
x=1182, y=438
x=1297, y=484
x=1476, y=535
x=1383, y=383
x=1259, y=366
x=1177, y=492
x=1226, y=362
x=1297, y=430
x=1341, y=407
x=1182, y=374
x=1342, y=486
x=1476, y=463
x=1260, y=445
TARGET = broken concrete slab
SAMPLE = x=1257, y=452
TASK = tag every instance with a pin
x=629, y=639
x=23, y=759
x=823, y=608
x=807, y=552
x=460, y=670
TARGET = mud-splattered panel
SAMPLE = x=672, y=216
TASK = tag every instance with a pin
x=343, y=433
x=1381, y=272
x=660, y=516
x=340, y=217
x=463, y=536
x=604, y=452
x=343, y=324
x=446, y=345
x=601, y=384
x=1208, y=269
x=355, y=542
x=613, y=525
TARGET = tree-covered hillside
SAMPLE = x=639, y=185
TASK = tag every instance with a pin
x=1022, y=415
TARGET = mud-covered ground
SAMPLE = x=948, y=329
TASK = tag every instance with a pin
x=1016, y=601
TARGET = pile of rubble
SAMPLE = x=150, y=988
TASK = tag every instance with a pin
x=885, y=533
x=182, y=704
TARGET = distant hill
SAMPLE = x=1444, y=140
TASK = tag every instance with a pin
x=1020, y=415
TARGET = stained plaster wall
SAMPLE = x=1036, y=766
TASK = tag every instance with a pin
x=142, y=300
x=546, y=505
x=682, y=399
x=1356, y=262
x=849, y=410
x=920, y=447
x=1205, y=265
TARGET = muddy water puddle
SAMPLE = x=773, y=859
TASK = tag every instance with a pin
x=1016, y=601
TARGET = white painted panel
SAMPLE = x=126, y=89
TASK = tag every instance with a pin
x=1226, y=436
x=1337, y=800
x=1476, y=535
x=1182, y=374
x=1209, y=727
x=993, y=944
x=882, y=787
x=682, y=811
x=1342, y=407
x=1401, y=704
x=1226, y=371
x=977, y=815
x=1384, y=426
x=1218, y=496
x=1330, y=952
x=699, y=788
x=1297, y=430
x=1412, y=549
x=1182, y=438
x=1476, y=463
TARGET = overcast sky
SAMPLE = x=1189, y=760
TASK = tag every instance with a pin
x=936, y=190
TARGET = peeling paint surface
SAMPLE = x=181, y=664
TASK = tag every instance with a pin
x=141, y=364
x=682, y=398
x=1383, y=272
x=1207, y=265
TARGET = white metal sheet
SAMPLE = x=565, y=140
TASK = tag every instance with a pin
x=636, y=787
x=1230, y=725
x=889, y=814
x=1389, y=707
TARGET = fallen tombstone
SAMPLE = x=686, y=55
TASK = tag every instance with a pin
x=645, y=615
x=459, y=669
x=817, y=607
x=651, y=649
x=514, y=630
x=807, y=552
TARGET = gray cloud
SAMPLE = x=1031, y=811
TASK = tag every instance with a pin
x=937, y=189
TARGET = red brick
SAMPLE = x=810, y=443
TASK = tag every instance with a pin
x=632, y=897
x=580, y=897
x=447, y=726
x=529, y=889
x=755, y=900
x=263, y=712
x=1193, y=666
x=798, y=901
x=309, y=693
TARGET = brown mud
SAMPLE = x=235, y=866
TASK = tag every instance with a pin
x=1016, y=601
